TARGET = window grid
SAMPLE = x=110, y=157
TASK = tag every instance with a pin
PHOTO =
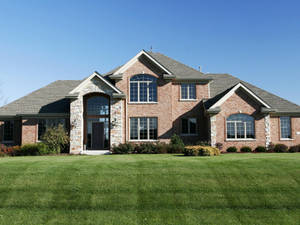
x=44, y=124
x=189, y=126
x=8, y=132
x=240, y=126
x=143, y=88
x=188, y=91
x=143, y=128
x=285, y=127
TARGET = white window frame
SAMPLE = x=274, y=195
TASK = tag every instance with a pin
x=281, y=138
x=3, y=134
x=235, y=131
x=188, y=92
x=138, y=91
x=138, y=129
x=189, y=127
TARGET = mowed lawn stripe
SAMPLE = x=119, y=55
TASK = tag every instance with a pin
x=151, y=189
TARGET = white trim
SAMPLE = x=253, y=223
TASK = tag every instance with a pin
x=138, y=129
x=135, y=58
x=95, y=74
x=138, y=91
x=232, y=91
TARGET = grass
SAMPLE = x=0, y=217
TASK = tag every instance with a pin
x=151, y=189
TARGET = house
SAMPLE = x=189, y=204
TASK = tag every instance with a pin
x=150, y=98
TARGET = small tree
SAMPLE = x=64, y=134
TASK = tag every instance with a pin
x=56, y=138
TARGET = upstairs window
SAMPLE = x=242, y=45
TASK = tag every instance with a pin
x=143, y=88
x=8, y=130
x=47, y=123
x=189, y=126
x=188, y=91
x=240, y=126
x=285, y=127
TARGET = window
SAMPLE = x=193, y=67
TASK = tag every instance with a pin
x=97, y=105
x=189, y=126
x=188, y=91
x=143, y=128
x=8, y=131
x=43, y=124
x=143, y=88
x=285, y=127
x=240, y=126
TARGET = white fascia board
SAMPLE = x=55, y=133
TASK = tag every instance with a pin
x=95, y=74
x=232, y=91
x=135, y=58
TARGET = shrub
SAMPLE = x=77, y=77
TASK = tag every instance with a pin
x=219, y=145
x=162, y=148
x=246, y=149
x=176, y=144
x=126, y=148
x=260, y=149
x=295, y=148
x=271, y=147
x=280, y=148
x=198, y=150
x=33, y=149
x=203, y=143
x=145, y=148
x=231, y=149
x=56, y=138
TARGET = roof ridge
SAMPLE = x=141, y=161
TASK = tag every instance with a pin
x=177, y=62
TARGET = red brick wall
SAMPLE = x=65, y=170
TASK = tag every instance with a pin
x=275, y=131
x=168, y=108
x=236, y=103
x=29, y=131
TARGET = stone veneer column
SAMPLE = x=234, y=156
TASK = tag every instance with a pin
x=267, y=130
x=116, y=121
x=76, y=125
x=213, y=130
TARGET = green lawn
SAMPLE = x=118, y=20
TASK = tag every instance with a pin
x=151, y=189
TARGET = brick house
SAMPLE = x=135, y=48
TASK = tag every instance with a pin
x=150, y=98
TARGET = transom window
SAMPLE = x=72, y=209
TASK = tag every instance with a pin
x=240, y=126
x=189, y=126
x=188, y=91
x=285, y=127
x=44, y=124
x=143, y=128
x=143, y=88
x=97, y=105
x=8, y=131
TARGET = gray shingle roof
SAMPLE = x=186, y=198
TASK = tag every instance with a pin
x=222, y=83
x=49, y=99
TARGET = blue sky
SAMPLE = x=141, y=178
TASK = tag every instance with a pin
x=43, y=41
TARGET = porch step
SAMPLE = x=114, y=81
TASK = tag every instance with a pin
x=95, y=152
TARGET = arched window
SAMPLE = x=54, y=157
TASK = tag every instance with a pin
x=240, y=126
x=143, y=88
x=97, y=105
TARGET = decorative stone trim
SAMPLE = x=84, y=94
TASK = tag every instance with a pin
x=267, y=130
x=213, y=130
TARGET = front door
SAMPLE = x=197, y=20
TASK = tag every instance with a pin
x=98, y=135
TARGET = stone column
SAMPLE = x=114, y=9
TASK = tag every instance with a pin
x=267, y=130
x=76, y=126
x=213, y=130
x=116, y=121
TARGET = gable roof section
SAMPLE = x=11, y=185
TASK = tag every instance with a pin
x=222, y=84
x=232, y=90
x=123, y=68
x=49, y=99
x=95, y=74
